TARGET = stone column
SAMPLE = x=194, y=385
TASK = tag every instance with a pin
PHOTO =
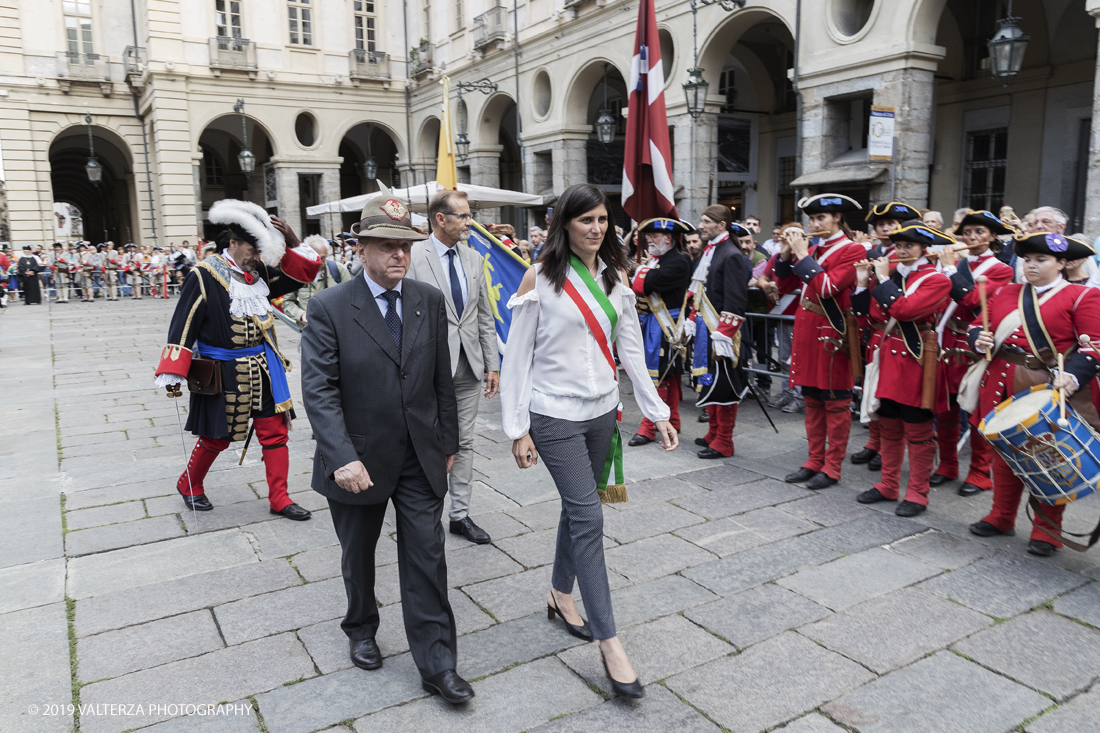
x=485, y=171
x=330, y=191
x=570, y=162
x=1092, y=187
x=288, y=196
x=696, y=142
x=910, y=93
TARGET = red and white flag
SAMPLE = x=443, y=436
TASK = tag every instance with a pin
x=647, y=163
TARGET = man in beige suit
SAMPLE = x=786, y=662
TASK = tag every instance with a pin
x=446, y=262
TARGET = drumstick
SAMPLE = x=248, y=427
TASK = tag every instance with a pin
x=980, y=281
x=1062, y=421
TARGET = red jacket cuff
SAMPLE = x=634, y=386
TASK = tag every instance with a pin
x=174, y=359
x=729, y=323
x=300, y=267
x=638, y=284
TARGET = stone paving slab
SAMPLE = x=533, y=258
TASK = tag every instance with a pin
x=723, y=476
x=657, y=649
x=1082, y=604
x=110, y=495
x=30, y=531
x=541, y=515
x=826, y=509
x=534, y=549
x=897, y=629
x=871, y=530
x=125, y=534
x=34, y=639
x=243, y=722
x=226, y=674
x=1079, y=715
x=1004, y=585
x=115, y=653
x=775, y=681
x=646, y=520
x=114, y=610
x=658, y=712
x=133, y=567
x=756, y=614
x=635, y=604
x=653, y=557
x=743, y=532
x=244, y=514
x=285, y=537
x=547, y=688
x=943, y=550
x=759, y=565
x=1042, y=650
x=502, y=645
x=653, y=490
x=812, y=723
x=324, y=562
x=726, y=501
x=322, y=701
x=281, y=610
x=33, y=584
x=855, y=578
x=477, y=563
x=125, y=512
x=939, y=693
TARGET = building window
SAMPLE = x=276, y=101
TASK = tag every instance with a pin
x=728, y=90
x=212, y=169
x=300, y=14
x=227, y=16
x=984, y=174
x=365, y=25
x=78, y=26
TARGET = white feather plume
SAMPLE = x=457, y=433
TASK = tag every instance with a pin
x=256, y=222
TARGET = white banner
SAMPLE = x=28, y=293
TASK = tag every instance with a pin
x=880, y=138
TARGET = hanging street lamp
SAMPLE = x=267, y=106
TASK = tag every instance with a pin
x=92, y=167
x=462, y=140
x=605, y=124
x=370, y=165
x=245, y=158
x=696, y=86
x=1007, y=47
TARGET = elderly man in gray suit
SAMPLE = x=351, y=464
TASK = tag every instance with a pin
x=446, y=262
x=376, y=382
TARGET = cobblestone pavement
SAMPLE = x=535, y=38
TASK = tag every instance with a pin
x=745, y=603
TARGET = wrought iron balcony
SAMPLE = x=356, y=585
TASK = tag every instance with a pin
x=490, y=26
x=133, y=61
x=366, y=64
x=232, y=53
x=72, y=66
x=421, y=59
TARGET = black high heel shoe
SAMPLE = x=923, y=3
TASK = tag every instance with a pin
x=632, y=690
x=581, y=632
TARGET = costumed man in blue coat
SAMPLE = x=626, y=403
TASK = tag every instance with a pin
x=221, y=341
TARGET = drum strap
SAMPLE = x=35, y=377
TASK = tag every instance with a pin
x=1038, y=338
x=1094, y=536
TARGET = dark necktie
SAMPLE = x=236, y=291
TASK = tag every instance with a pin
x=392, y=319
x=456, y=287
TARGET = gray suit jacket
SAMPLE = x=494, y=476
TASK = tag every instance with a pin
x=364, y=400
x=475, y=331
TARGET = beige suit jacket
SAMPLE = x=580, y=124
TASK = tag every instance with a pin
x=475, y=331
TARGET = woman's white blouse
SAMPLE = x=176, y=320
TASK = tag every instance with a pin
x=554, y=367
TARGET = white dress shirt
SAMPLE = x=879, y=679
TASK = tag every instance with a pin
x=377, y=291
x=443, y=249
x=554, y=367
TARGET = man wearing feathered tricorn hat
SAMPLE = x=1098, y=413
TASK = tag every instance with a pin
x=221, y=341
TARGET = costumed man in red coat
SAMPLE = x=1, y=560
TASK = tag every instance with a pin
x=904, y=380
x=883, y=220
x=720, y=304
x=825, y=332
x=661, y=285
x=1030, y=324
x=222, y=334
x=979, y=230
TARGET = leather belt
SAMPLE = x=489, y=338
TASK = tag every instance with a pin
x=958, y=326
x=813, y=307
x=1027, y=361
x=921, y=327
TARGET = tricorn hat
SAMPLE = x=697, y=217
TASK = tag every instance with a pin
x=921, y=234
x=1053, y=244
x=987, y=219
x=739, y=231
x=895, y=210
x=829, y=203
x=663, y=224
x=386, y=217
x=248, y=222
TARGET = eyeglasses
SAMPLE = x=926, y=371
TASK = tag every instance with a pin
x=463, y=217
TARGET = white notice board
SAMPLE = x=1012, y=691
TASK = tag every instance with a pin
x=880, y=138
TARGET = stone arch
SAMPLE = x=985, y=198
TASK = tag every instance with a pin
x=489, y=117
x=230, y=124
x=715, y=47
x=579, y=93
x=354, y=121
x=109, y=207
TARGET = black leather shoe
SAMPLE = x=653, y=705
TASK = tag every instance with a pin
x=872, y=496
x=821, y=481
x=863, y=456
x=470, y=531
x=800, y=476
x=198, y=502
x=632, y=690
x=449, y=686
x=704, y=416
x=875, y=464
x=985, y=529
x=1040, y=548
x=293, y=511
x=365, y=654
x=710, y=453
x=969, y=490
x=702, y=442
x=938, y=479
x=581, y=632
x=909, y=509
x=638, y=439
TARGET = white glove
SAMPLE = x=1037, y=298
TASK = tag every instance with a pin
x=723, y=345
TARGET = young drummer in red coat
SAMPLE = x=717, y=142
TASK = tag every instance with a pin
x=821, y=331
x=911, y=300
x=883, y=220
x=1067, y=311
x=978, y=229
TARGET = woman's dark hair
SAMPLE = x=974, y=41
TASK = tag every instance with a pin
x=554, y=256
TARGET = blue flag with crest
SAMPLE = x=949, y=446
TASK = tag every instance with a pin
x=504, y=270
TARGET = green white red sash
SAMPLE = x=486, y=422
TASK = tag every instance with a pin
x=604, y=333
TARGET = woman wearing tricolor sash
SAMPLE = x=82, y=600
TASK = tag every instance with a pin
x=560, y=399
